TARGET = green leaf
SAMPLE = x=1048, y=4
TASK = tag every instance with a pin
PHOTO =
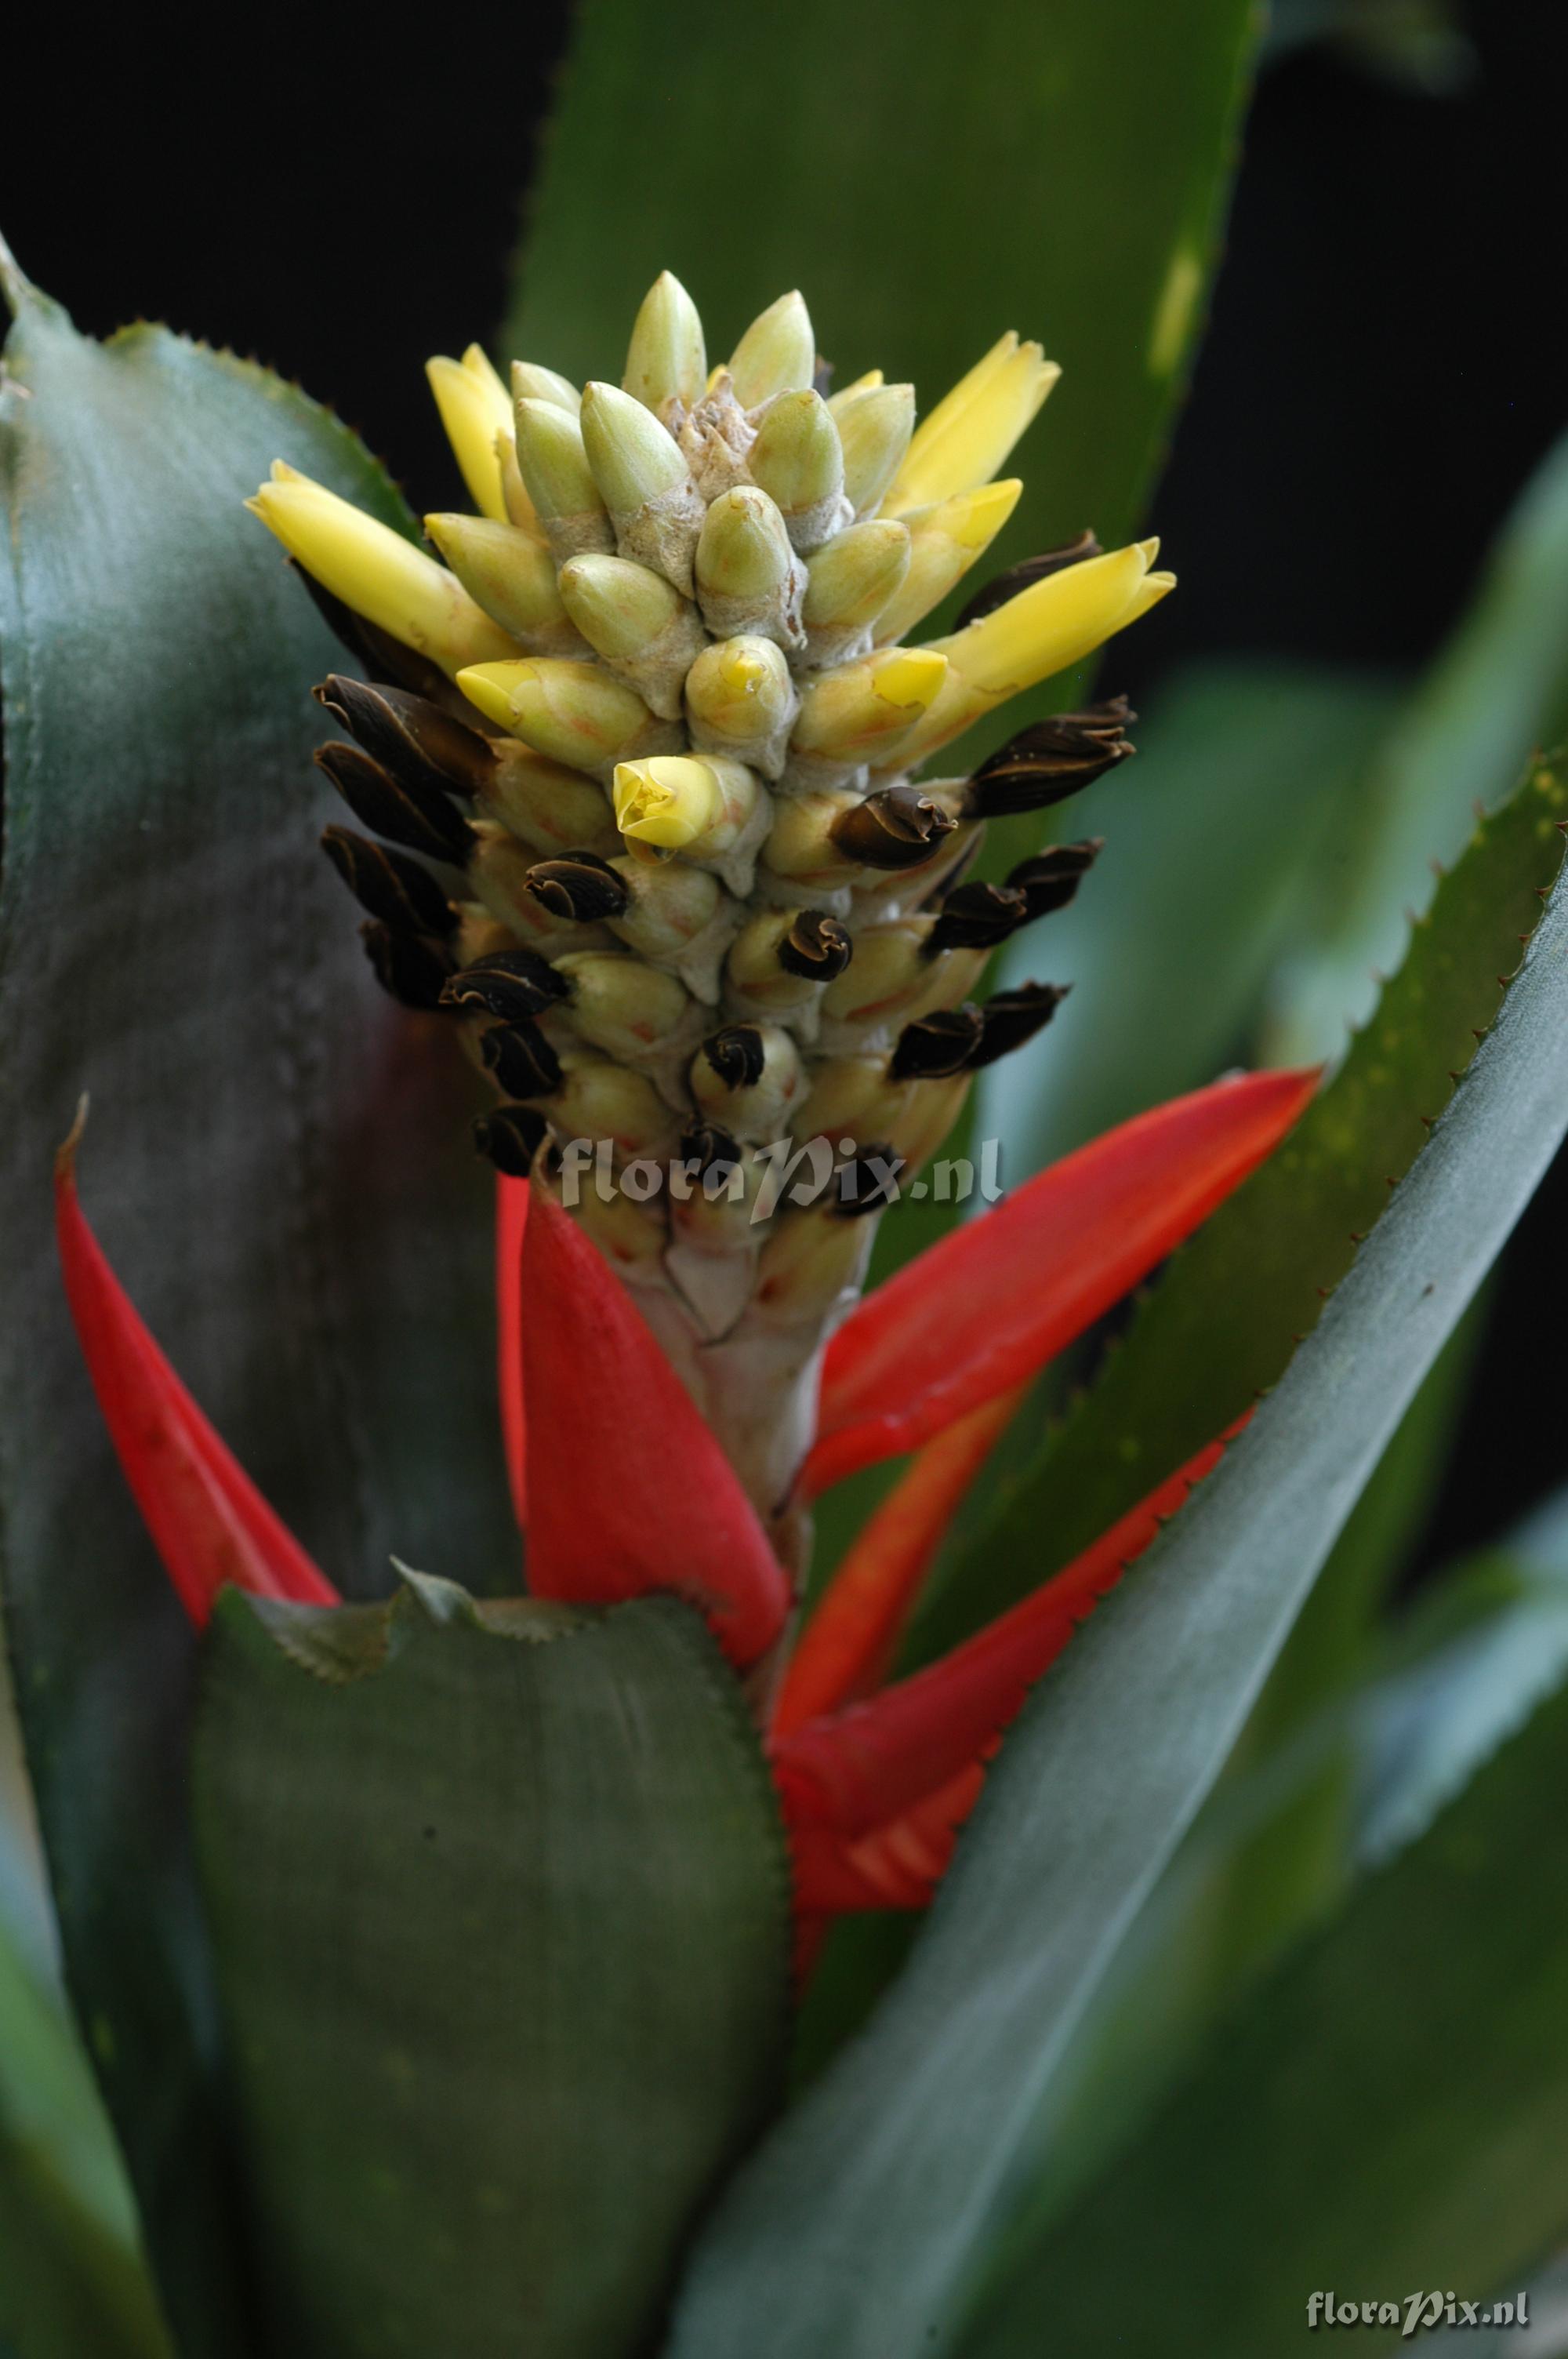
x=501, y=1929
x=276, y=1161
x=71, y=2278
x=1062, y=172
x=1244, y=771
x=1389, y=2110
x=860, y=2225
x=67, y=2290
x=1233, y=1302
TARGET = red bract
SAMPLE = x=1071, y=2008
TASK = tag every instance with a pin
x=207, y=1521
x=627, y=1491
x=510, y=1228
x=1000, y=1296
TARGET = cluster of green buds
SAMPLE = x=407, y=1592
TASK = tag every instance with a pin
x=638, y=767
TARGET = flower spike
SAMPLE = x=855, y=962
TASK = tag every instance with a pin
x=207, y=1521
x=629, y=1492
x=956, y=1327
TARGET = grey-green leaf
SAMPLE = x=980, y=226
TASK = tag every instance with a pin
x=276, y=1162
x=1389, y=2110
x=863, y=2223
x=502, y=1932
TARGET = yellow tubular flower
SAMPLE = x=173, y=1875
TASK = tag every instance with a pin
x=1050, y=626
x=698, y=804
x=944, y=543
x=476, y=411
x=968, y=435
x=377, y=572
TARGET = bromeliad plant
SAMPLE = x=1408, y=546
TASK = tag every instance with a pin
x=648, y=844
x=691, y=974
x=514, y=1872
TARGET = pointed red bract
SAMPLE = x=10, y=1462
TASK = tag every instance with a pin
x=849, y=1644
x=628, y=1490
x=868, y=1765
x=208, y=1523
x=895, y=1867
x=511, y=1227
x=989, y=1306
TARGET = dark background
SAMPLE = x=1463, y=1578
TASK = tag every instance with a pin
x=1384, y=368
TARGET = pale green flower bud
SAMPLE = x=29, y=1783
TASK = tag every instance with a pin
x=512, y=576
x=667, y=358
x=853, y=579
x=748, y=578
x=776, y=354
x=873, y=433
x=559, y=482
x=797, y=461
x=532, y=382
x=740, y=700
x=647, y=634
x=653, y=504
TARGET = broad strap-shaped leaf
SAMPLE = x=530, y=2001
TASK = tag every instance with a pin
x=512, y=1198
x=1431, y=2009
x=293, y=1188
x=1228, y=1311
x=987, y=1307
x=208, y=1523
x=629, y=1492
x=500, y=1908
x=848, y=1643
x=860, y=2225
x=859, y=1768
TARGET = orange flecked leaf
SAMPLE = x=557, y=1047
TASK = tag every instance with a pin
x=850, y=1641
x=989, y=1306
x=629, y=1493
x=511, y=1226
x=207, y=1521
